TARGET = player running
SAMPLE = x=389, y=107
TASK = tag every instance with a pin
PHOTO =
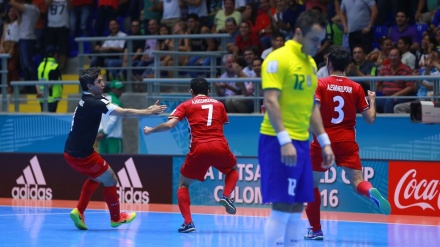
x=339, y=98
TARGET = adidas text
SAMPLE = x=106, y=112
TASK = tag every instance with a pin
x=129, y=195
x=32, y=192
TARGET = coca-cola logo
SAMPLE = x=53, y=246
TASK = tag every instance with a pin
x=423, y=192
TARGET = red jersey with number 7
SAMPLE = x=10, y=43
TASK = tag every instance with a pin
x=206, y=117
x=340, y=97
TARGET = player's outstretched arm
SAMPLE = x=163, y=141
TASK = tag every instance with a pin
x=370, y=114
x=171, y=123
x=318, y=128
x=129, y=112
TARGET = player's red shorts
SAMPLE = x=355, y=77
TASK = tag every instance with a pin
x=92, y=166
x=346, y=155
x=205, y=155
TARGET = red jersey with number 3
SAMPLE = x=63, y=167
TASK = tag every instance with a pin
x=340, y=97
x=206, y=117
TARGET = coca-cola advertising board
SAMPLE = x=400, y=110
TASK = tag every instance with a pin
x=413, y=188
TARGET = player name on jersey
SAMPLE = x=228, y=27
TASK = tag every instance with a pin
x=342, y=89
x=202, y=101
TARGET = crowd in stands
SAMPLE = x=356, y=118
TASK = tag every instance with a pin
x=385, y=38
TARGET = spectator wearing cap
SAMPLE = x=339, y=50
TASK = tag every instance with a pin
x=110, y=129
x=49, y=70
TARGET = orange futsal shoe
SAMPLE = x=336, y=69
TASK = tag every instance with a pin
x=124, y=218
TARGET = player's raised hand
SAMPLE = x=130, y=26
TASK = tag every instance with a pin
x=328, y=157
x=288, y=154
x=156, y=108
x=147, y=130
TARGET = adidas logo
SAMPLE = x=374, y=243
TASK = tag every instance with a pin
x=30, y=183
x=129, y=181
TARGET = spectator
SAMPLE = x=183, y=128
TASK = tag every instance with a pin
x=199, y=8
x=57, y=30
x=263, y=25
x=180, y=28
x=277, y=42
x=250, y=53
x=224, y=89
x=151, y=11
x=147, y=57
x=213, y=7
x=380, y=57
x=49, y=70
x=403, y=28
x=26, y=40
x=109, y=46
x=240, y=105
x=249, y=15
x=223, y=14
x=391, y=89
x=135, y=53
x=200, y=44
x=423, y=87
x=9, y=45
x=170, y=12
x=290, y=15
x=110, y=129
x=245, y=39
x=40, y=27
x=425, y=11
x=361, y=67
x=80, y=12
x=408, y=58
x=232, y=29
x=277, y=18
x=426, y=47
x=358, y=18
x=107, y=11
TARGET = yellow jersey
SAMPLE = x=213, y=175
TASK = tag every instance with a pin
x=293, y=73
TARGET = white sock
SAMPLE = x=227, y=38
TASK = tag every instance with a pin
x=294, y=228
x=275, y=228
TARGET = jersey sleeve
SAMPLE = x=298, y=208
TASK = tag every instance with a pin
x=362, y=102
x=272, y=73
x=318, y=92
x=179, y=112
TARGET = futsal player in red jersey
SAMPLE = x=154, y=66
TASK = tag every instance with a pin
x=80, y=154
x=339, y=98
x=208, y=147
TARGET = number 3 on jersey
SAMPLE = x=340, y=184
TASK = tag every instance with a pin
x=338, y=109
x=210, y=109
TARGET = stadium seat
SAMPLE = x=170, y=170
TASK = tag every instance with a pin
x=421, y=28
x=379, y=32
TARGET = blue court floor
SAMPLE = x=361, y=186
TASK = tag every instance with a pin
x=48, y=226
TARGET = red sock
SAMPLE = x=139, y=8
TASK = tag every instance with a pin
x=87, y=191
x=364, y=187
x=112, y=200
x=184, y=202
x=230, y=182
x=313, y=211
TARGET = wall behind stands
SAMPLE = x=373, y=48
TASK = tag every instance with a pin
x=390, y=138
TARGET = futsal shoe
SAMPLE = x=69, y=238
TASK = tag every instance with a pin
x=185, y=228
x=124, y=218
x=311, y=235
x=380, y=202
x=228, y=204
x=78, y=219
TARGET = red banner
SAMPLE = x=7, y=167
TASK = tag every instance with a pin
x=413, y=188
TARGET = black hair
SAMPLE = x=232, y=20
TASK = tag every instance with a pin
x=88, y=76
x=193, y=16
x=406, y=40
x=309, y=18
x=199, y=86
x=339, y=57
